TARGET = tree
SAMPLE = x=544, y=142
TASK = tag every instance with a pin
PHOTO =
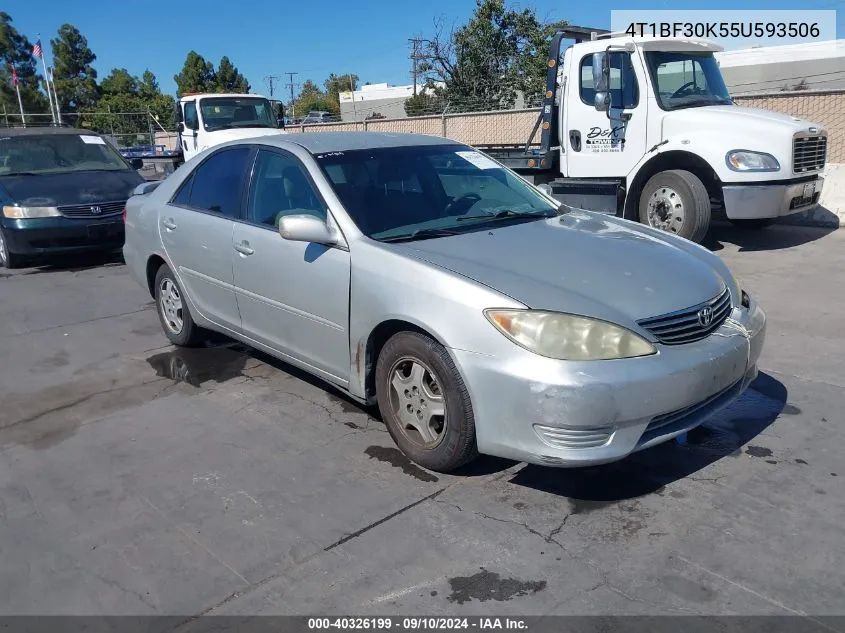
x=119, y=81
x=228, y=79
x=426, y=101
x=335, y=84
x=16, y=52
x=482, y=64
x=197, y=75
x=375, y=115
x=148, y=88
x=75, y=78
x=311, y=98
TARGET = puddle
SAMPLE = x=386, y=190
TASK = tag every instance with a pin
x=195, y=366
x=488, y=585
x=397, y=459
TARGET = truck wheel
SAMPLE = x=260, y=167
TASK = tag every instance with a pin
x=676, y=201
x=425, y=403
x=753, y=223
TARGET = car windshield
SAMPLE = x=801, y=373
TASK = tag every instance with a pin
x=57, y=153
x=686, y=80
x=220, y=113
x=420, y=192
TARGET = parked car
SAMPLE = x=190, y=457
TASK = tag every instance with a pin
x=62, y=190
x=416, y=273
x=319, y=117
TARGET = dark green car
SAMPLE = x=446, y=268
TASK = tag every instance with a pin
x=62, y=190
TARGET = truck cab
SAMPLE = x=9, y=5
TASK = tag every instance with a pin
x=205, y=120
x=645, y=128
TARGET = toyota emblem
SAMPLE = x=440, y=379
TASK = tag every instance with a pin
x=96, y=210
x=705, y=316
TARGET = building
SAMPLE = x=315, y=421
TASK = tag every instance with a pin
x=372, y=99
x=807, y=66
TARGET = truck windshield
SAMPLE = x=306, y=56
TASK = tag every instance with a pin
x=57, y=154
x=419, y=192
x=221, y=113
x=686, y=79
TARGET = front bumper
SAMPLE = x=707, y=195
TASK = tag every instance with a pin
x=770, y=200
x=42, y=236
x=558, y=413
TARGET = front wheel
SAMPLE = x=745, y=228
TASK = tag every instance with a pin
x=173, y=312
x=424, y=402
x=676, y=201
x=753, y=223
x=7, y=258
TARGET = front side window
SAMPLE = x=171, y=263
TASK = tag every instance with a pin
x=404, y=193
x=191, y=120
x=280, y=187
x=686, y=80
x=221, y=113
x=217, y=182
x=624, y=91
x=58, y=154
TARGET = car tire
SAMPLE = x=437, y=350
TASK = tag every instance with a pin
x=676, y=201
x=415, y=375
x=753, y=223
x=173, y=312
x=7, y=258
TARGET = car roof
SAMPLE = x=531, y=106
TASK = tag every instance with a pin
x=319, y=142
x=44, y=131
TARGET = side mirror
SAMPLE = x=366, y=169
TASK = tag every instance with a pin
x=602, y=101
x=180, y=127
x=601, y=72
x=544, y=188
x=307, y=228
x=136, y=163
x=146, y=187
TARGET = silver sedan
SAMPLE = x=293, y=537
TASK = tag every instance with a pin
x=419, y=274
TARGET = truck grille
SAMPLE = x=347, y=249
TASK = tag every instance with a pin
x=808, y=153
x=692, y=324
x=93, y=210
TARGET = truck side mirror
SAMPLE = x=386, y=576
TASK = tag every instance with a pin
x=602, y=101
x=180, y=127
x=601, y=72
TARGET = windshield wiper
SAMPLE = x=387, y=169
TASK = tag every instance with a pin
x=506, y=214
x=419, y=234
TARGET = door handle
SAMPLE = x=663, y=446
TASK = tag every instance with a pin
x=575, y=140
x=244, y=249
x=169, y=224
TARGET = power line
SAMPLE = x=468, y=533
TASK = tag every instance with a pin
x=291, y=85
x=269, y=79
x=415, y=57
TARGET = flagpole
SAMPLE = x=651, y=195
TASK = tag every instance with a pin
x=56, y=96
x=20, y=103
x=47, y=80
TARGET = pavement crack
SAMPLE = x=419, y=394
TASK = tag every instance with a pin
x=548, y=538
x=83, y=322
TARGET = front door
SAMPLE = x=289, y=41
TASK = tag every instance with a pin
x=598, y=145
x=189, y=137
x=292, y=296
x=196, y=230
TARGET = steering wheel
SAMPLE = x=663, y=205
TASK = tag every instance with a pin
x=467, y=196
x=689, y=84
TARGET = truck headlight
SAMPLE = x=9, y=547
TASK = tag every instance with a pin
x=567, y=336
x=19, y=213
x=744, y=160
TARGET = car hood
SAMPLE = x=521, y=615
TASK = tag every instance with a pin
x=581, y=262
x=80, y=187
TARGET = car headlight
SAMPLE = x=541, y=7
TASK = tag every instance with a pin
x=30, y=212
x=567, y=336
x=744, y=160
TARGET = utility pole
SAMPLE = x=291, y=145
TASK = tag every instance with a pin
x=291, y=85
x=415, y=56
x=269, y=79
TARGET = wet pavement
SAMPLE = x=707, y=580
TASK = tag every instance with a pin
x=136, y=478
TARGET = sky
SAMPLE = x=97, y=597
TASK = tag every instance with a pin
x=273, y=37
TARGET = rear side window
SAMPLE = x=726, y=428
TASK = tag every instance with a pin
x=183, y=196
x=217, y=182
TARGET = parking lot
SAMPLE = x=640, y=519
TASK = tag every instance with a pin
x=136, y=478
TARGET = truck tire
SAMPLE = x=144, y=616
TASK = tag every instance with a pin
x=753, y=223
x=676, y=201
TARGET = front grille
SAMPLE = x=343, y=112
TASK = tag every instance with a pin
x=90, y=210
x=699, y=410
x=690, y=325
x=574, y=437
x=808, y=153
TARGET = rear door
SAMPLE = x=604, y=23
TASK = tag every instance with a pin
x=196, y=230
x=292, y=296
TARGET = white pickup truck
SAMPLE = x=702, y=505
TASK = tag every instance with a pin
x=644, y=128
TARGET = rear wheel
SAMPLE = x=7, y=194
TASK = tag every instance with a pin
x=676, y=201
x=173, y=312
x=424, y=402
x=7, y=258
x=753, y=223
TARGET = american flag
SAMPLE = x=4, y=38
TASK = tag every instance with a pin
x=36, y=50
